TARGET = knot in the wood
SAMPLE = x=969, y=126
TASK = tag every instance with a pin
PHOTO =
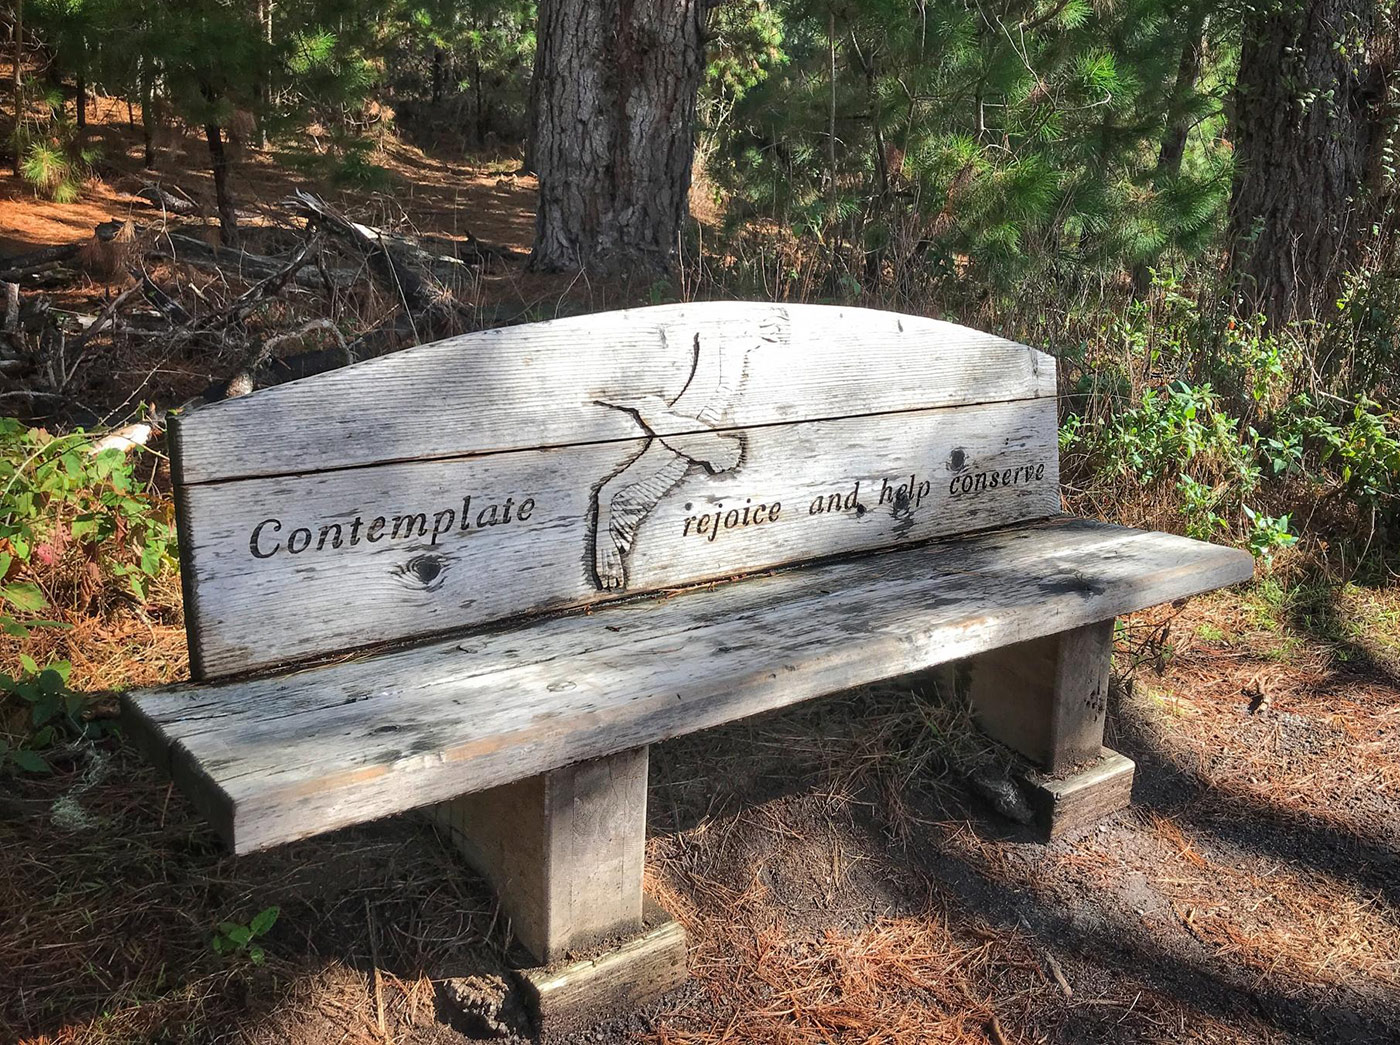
x=424, y=571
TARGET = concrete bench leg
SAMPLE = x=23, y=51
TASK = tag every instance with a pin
x=565, y=851
x=1048, y=699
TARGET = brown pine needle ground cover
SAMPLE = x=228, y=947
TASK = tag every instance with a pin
x=839, y=880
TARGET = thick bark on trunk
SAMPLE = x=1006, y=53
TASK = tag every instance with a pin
x=218, y=163
x=1302, y=131
x=615, y=90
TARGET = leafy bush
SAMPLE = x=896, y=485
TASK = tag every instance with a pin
x=78, y=528
x=1178, y=410
x=74, y=521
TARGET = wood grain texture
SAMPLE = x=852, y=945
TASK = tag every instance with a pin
x=316, y=577
x=539, y=385
x=563, y=850
x=1065, y=805
x=280, y=758
x=1046, y=698
x=567, y=999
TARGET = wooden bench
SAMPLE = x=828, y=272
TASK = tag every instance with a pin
x=548, y=520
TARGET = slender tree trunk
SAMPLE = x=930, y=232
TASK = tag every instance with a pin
x=480, y=112
x=223, y=198
x=17, y=84
x=260, y=87
x=831, y=117
x=1173, y=147
x=1188, y=73
x=82, y=101
x=615, y=93
x=18, y=30
x=148, y=115
x=1302, y=135
x=439, y=73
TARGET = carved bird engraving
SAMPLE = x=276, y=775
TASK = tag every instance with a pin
x=628, y=495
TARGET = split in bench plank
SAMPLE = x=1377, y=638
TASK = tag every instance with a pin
x=276, y=759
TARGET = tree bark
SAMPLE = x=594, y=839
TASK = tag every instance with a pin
x=223, y=198
x=615, y=94
x=1302, y=132
x=1188, y=73
x=17, y=84
x=148, y=115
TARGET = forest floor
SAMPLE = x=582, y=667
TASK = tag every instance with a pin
x=838, y=878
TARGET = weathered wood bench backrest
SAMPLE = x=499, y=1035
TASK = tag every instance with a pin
x=556, y=464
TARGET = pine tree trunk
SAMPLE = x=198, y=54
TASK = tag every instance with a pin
x=82, y=101
x=18, y=31
x=1302, y=133
x=1188, y=73
x=613, y=136
x=17, y=84
x=480, y=111
x=148, y=116
x=1173, y=147
x=439, y=74
x=218, y=163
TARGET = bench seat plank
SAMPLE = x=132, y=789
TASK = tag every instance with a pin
x=275, y=759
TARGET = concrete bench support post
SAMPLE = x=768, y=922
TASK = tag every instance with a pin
x=1048, y=699
x=564, y=851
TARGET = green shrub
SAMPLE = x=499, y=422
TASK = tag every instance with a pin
x=73, y=520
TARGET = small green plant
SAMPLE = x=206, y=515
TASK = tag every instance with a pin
x=52, y=159
x=1267, y=534
x=55, y=714
x=235, y=939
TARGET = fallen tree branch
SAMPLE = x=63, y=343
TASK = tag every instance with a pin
x=268, y=287
x=419, y=297
x=190, y=251
x=13, y=269
x=157, y=197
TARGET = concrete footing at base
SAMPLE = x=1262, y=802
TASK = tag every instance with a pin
x=570, y=996
x=1078, y=800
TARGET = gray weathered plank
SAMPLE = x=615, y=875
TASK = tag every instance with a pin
x=564, y=850
x=275, y=759
x=541, y=384
x=569, y=998
x=1047, y=698
x=269, y=584
x=1066, y=804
